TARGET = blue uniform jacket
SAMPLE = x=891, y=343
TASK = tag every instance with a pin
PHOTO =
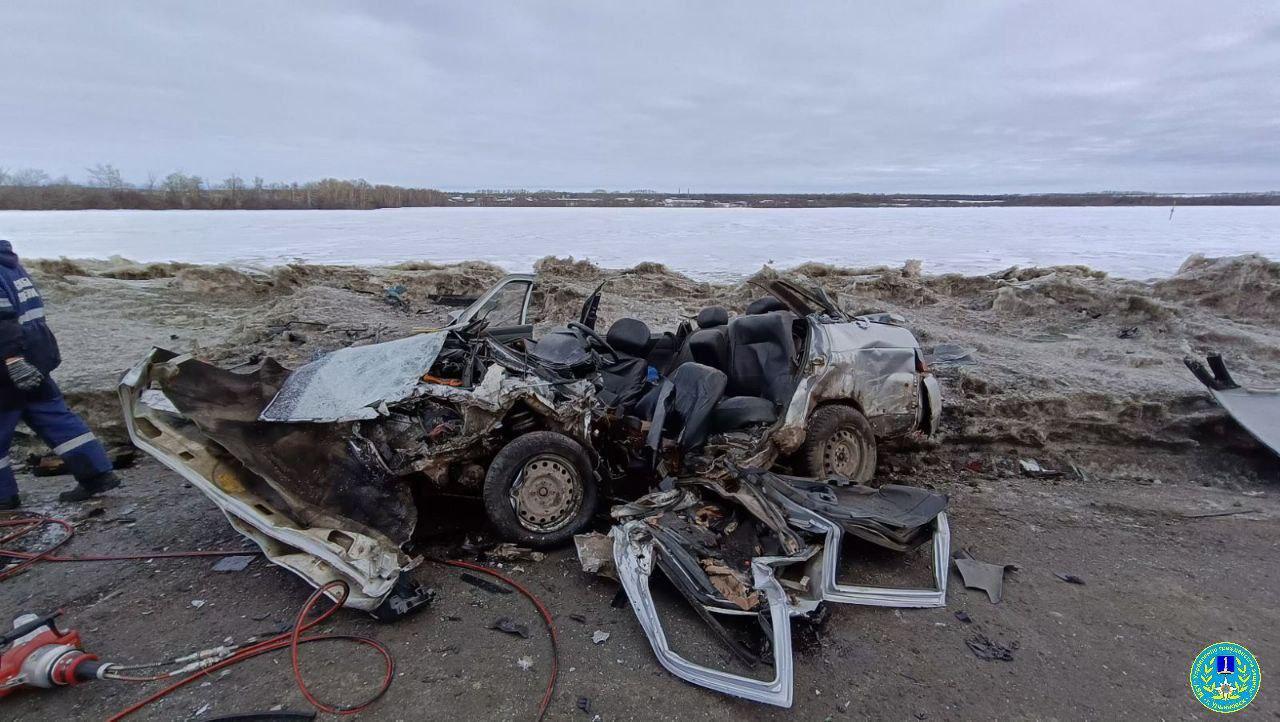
x=23, y=331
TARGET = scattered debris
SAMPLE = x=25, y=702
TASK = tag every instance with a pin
x=123, y=457
x=525, y=663
x=397, y=296
x=950, y=354
x=580, y=619
x=482, y=583
x=982, y=575
x=984, y=648
x=1129, y=332
x=510, y=626
x=595, y=553
x=584, y=704
x=513, y=553
x=1032, y=468
x=963, y=616
x=477, y=547
x=599, y=636
x=46, y=465
x=1211, y=514
x=232, y=564
x=197, y=603
x=1069, y=578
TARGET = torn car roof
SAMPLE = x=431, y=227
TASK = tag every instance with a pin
x=352, y=383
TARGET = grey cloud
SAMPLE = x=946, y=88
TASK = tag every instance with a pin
x=734, y=96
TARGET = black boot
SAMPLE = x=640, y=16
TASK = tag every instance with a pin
x=10, y=503
x=91, y=487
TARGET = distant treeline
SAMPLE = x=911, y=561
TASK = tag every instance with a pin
x=30, y=189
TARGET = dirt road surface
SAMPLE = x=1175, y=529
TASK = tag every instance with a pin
x=1159, y=586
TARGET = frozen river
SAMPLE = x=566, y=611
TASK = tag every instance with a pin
x=704, y=243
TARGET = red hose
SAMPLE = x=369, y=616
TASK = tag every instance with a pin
x=292, y=639
x=546, y=617
x=28, y=524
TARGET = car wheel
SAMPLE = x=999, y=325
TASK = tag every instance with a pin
x=540, y=489
x=839, y=444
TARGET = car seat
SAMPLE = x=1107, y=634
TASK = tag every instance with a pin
x=762, y=352
x=623, y=382
x=684, y=405
x=768, y=304
x=712, y=317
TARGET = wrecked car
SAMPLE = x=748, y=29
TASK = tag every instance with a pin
x=323, y=466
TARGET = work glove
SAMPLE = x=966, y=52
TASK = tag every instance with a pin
x=23, y=375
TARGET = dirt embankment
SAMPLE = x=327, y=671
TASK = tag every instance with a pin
x=1063, y=364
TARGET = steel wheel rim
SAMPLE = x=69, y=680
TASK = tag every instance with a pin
x=547, y=493
x=843, y=454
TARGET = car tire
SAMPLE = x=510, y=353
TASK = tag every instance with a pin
x=561, y=494
x=840, y=445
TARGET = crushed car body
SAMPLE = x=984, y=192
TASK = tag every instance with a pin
x=323, y=466
x=758, y=543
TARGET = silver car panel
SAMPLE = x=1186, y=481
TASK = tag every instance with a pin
x=633, y=555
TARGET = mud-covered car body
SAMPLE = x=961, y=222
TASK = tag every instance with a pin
x=324, y=466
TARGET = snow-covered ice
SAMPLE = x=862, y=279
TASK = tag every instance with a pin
x=704, y=243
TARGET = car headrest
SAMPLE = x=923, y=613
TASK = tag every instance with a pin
x=713, y=316
x=765, y=305
x=760, y=328
x=629, y=336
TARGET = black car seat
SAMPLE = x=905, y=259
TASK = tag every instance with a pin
x=738, y=412
x=762, y=353
x=623, y=381
x=713, y=317
x=709, y=345
x=768, y=304
x=630, y=337
x=684, y=405
x=665, y=346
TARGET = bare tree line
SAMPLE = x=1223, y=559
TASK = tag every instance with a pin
x=105, y=188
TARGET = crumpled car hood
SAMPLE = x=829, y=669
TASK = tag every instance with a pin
x=202, y=423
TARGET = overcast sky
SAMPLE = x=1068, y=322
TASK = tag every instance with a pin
x=737, y=96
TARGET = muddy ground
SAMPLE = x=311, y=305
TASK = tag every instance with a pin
x=1066, y=366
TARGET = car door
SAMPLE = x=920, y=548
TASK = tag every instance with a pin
x=505, y=307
